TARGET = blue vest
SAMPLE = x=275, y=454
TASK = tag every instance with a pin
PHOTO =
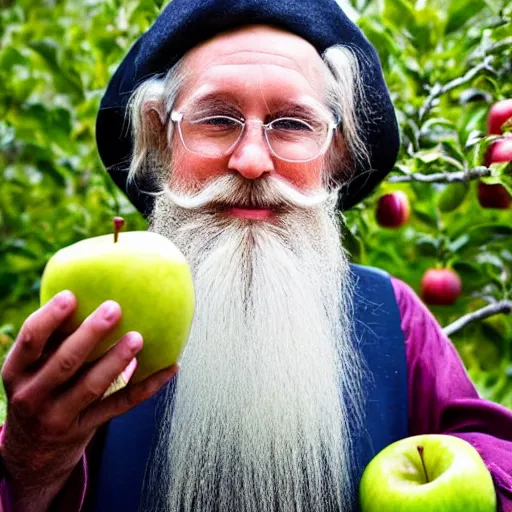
x=117, y=477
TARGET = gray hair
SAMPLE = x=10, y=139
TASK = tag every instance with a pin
x=152, y=102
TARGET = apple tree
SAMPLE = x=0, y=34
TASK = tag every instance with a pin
x=442, y=221
x=449, y=68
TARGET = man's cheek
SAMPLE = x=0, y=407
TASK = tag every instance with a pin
x=304, y=176
x=192, y=170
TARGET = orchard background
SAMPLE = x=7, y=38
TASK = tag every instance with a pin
x=446, y=62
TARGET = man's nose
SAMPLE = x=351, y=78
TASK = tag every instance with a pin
x=252, y=157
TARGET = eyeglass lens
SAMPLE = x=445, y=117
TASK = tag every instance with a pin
x=288, y=138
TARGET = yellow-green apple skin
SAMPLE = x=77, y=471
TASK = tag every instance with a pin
x=146, y=274
x=395, y=481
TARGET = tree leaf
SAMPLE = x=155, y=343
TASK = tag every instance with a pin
x=461, y=11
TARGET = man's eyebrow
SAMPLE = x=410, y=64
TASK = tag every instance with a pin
x=296, y=109
x=213, y=99
x=286, y=108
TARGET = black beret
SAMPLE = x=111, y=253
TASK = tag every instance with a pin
x=185, y=23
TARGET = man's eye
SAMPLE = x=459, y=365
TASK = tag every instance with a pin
x=217, y=122
x=291, y=125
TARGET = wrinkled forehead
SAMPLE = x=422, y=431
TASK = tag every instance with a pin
x=259, y=45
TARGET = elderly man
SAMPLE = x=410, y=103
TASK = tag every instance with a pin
x=252, y=124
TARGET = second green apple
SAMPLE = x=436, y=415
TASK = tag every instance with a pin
x=427, y=473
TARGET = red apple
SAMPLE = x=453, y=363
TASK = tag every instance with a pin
x=498, y=114
x=496, y=196
x=493, y=196
x=393, y=210
x=440, y=286
x=499, y=151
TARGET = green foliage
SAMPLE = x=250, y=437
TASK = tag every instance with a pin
x=445, y=61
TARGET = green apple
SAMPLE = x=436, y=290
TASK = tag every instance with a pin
x=427, y=473
x=142, y=271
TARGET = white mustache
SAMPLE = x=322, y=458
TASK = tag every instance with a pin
x=229, y=190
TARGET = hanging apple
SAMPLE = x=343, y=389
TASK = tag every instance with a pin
x=496, y=195
x=145, y=274
x=498, y=151
x=440, y=286
x=499, y=113
x=493, y=196
x=393, y=210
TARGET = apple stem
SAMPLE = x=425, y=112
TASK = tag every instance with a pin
x=420, y=451
x=118, y=226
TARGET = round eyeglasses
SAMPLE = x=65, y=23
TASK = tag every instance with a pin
x=288, y=138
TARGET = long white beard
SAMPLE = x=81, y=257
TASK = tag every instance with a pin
x=260, y=419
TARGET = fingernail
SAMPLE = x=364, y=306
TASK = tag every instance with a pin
x=63, y=299
x=134, y=341
x=109, y=310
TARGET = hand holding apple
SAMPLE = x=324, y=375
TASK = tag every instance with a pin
x=427, y=473
x=145, y=274
x=54, y=399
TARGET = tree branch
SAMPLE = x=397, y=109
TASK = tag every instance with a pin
x=444, y=177
x=438, y=89
x=480, y=53
x=503, y=306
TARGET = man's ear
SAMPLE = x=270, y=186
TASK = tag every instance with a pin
x=151, y=153
x=154, y=118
